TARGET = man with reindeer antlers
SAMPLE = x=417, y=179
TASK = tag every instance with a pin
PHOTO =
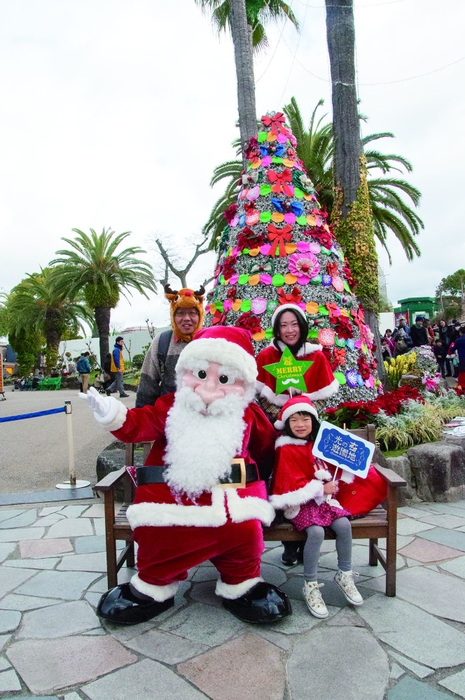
x=158, y=371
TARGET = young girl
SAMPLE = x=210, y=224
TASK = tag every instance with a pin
x=303, y=487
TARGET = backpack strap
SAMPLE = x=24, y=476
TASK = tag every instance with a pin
x=163, y=345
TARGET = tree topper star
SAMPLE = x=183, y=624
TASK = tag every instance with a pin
x=289, y=372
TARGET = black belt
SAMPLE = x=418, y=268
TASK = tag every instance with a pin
x=155, y=475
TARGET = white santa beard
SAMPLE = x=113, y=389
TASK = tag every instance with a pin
x=200, y=447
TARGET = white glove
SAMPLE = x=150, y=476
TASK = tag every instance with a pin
x=105, y=408
x=100, y=404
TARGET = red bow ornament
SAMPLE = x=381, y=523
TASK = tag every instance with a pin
x=295, y=297
x=278, y=238
x=280, y=180
x=276, y=122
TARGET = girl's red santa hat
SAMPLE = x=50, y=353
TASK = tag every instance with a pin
x=228, y=345
x=296, y=404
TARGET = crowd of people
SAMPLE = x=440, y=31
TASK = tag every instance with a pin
x=446, y=340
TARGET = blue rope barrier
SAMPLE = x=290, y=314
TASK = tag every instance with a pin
x=33, y=415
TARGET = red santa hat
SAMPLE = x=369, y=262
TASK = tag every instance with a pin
x=227, y=345
x=288, y=307
x=294, y=405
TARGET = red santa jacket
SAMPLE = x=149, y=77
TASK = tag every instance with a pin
x=156, y=505
x=319, y=379
x=298, y=478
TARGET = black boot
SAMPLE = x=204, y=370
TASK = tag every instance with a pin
x=124, y=605
x=293, y=553
x=263, y=603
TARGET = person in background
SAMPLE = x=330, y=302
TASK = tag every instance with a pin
x=429, y=331
x=158, y=373
x=108, y=376
x=458, y=346
x=401, y=337
x=385, y=350
x=83, y=368
x=117, y=367
x=390, y=341
x=418, y=333
x=444, y=337
x=440, y=355
x=454, y=332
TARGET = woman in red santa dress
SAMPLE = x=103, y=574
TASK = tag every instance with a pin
x=201, y=495
x=303, y=487
x=290, y=328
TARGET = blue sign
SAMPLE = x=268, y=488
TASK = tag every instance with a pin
x=344, y=450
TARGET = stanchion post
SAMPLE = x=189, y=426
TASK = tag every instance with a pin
x=72, y=483
x=69, y=427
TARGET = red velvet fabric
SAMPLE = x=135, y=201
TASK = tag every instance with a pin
x=166, y=553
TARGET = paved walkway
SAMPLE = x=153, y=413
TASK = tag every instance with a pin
x=52, y=645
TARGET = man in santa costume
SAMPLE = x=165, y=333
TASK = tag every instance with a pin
x=202, y=494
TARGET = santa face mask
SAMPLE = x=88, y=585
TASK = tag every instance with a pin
x=208, y=410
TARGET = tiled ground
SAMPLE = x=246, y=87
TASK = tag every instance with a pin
x=52, y=645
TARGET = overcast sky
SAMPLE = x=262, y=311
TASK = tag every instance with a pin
x=114, y=114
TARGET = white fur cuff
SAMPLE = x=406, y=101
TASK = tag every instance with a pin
x=232, y=592
x=249, y=508
x=158, y=593
x=312, y=490
x=116, y=416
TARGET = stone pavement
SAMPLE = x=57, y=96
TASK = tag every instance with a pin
x=53, y=646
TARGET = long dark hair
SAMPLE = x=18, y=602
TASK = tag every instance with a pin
x=303, y=327
x=315, y=425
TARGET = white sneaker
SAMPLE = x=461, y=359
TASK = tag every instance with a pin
x=315, y=602
x=345, y=581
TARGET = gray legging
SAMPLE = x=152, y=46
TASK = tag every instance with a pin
x=315, y=536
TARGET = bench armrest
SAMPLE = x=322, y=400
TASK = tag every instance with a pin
x=391, y=478
x=111, y=480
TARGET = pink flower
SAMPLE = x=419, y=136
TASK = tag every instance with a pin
x=304, y=266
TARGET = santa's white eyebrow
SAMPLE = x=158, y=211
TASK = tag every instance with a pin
x=194, y=364
x=231, y=372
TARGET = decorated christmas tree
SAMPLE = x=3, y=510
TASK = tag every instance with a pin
x=278, y=248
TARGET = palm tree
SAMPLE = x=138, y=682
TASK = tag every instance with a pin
x=36, y=305
x=95, y=266
x=315, y=147
x=245, y=19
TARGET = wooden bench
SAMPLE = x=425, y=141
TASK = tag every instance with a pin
x=381, y=523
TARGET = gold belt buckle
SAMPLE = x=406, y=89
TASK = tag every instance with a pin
x=243, y=482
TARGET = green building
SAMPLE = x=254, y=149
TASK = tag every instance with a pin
x=416, y=306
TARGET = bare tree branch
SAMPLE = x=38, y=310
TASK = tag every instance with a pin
x=173, y=265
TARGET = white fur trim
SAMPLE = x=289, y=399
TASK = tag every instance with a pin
x=233, y=591
x=289, y=307
x=116, y=416
x=158, y=593
x=249, y=508
x=346, y=477
x=323, y=475
x=325, y=392
x=276, y=399
x=295, y=408
x=312, y=490
x=218, y=350
x=166, y=514
x=288, y=440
